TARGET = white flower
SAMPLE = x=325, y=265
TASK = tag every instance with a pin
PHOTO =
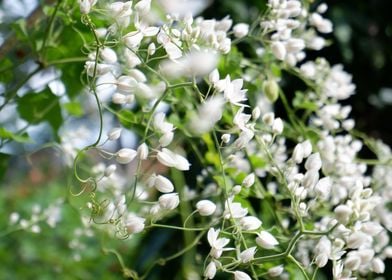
x=213, y=77
x=250, y=223
x=134, y=224
x=249, y=180
x=343, y=213
x=114, y=133
x=195, y=63
x=321, y=260
x=275, y=271
x=277, y=126
x=234, y=209
x=161, y=124
x=209, y=113
x=352, y=262
x=378, y=266
x=313, y=162
x=169, y=201
x=143, y=7
x=298, y=153
x=233, y=91
x=248, y=254
x=142, y=151
x=163, y=184
x=323, y=187
x=151, y=49
x=239, y=275
x=279, y=50
x=217, y=244
x=205, y=207
x=170, y=159
x=86, y=5
x=125, y=155
x=210, y=271
x=357, y=239
x=108, y=55
x=268, y=118
x=266, y=240
x=166, y=138
x=241, y=30
x=226, y=138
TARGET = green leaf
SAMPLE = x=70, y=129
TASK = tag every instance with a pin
x=74, y=108
x=22, y=138
x=20, y=29
x=39, y=107
x=6, y=73
x=4, y=164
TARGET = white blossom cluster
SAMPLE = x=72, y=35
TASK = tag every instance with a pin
x=166, y=73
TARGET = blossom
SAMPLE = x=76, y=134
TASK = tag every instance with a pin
x=240, y=275
x=171, y=159
x=234, y=209
x=210, y=270
x=125, y=155
x=162, y=184
x=205, y=207
x=169, y=201
x=248, y=254
x=240, y=30
x=266, y=240
x=217, y=244
x=250, y=223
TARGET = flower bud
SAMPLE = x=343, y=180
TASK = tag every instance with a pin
x=163, y=184
x=279, y=50
x=298, y=153
x=108, y=55
x=249, y=180
x=237, y=189
x=142, y=151
x=210, y=271
x=275, y=271
x=151, y=49
x=256, y=113
x=266, y=240
x=226, y=138
x=114, y=133
x=125, y=155
x=241, y=30
x=356, y=239
x=170, y=159
x=143, y=7
x=321, y=260
x=239, y=275
x=169, y=201
x=134, y=224
x=378, y=265
x=343, y=213
x=277, y=126
x=313, y=162
x=250, y=223
x=166, y=138
x=205, y=207
x=271, y=90
x=248, y=254
x=119, y=98
x=268, y=118
x=307, y=148
x=352, y=262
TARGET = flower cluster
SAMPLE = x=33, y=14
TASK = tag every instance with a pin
x=275, y=193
